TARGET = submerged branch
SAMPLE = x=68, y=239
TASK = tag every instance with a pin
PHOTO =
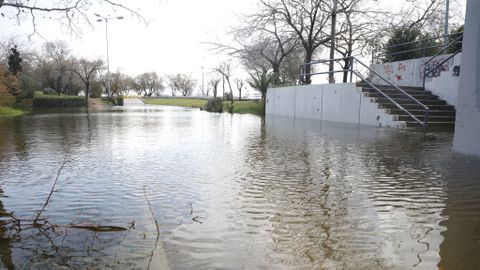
x=156, y=226
x=53, y=188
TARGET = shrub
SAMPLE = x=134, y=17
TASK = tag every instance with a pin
x=58, y=101
x=119, y=101
x=214, y=105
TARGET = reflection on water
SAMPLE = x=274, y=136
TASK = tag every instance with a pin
x=233, y=191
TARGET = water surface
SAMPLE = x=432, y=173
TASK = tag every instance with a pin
x=232, y=192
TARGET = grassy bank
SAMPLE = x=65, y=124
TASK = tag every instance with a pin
x=7, y=111
x=244, y=106
x=248, y=106
x=180, y=102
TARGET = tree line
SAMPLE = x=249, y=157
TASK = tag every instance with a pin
x=279, y=35
x=55, y=70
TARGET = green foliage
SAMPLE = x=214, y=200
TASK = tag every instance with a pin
x=49, y=91
x=262, y=81
x=14, y=61
x=252, y=107
x=58, y=101
x=401, y=36
x=458, y=45
x=7, y=111
x=414, y=39
x=181, y=102
x=214, y=105
x=119, y=101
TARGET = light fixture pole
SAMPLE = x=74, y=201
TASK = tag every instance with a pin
x=203, y=82
x=445, y=34
x=102, y=18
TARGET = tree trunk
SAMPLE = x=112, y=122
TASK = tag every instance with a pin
x=87, y=92
x=331, y=75
x=240, y=94
x=308, y=68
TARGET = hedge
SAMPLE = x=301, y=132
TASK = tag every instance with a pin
x=7, y=100
x=58, y=101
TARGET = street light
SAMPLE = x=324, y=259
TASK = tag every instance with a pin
x=445, y=34
x=102, y=18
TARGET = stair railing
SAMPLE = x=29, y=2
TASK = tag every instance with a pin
x=305, y=77
x=456, y=41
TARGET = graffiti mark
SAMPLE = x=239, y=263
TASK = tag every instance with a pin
x=456, y=71
x=401, y=66
x=388, y=69
x=432, y=66
x=398, y=77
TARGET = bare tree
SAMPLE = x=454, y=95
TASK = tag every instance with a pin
x=119, y=83
x=148, y=84
x=225, y=70
x=261, y=43
x=213, y=85
x=239, y=83
x=182, y=83
x=86, y=70
x=308, y=20
x=68, y=12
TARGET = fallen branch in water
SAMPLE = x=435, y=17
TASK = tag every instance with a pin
x=156, y=225
x=51, y=190
x=97, y=228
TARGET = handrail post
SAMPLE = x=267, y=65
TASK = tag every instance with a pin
x=425, y=123
x=351, y=68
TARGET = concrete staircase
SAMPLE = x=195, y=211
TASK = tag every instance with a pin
x=441, y=116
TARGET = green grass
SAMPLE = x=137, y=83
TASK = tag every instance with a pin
x=180, y=102
x=7, y=111
x=253, y=107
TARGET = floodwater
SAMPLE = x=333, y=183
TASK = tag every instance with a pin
x=231, y=192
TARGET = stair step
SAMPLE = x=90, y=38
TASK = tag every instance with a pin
x=402, y=101
x=401, y=95
x=394, y=90
x=414, y=106
x=438, y=126
x=431, y=118
x=397, y=111
x=412, y=88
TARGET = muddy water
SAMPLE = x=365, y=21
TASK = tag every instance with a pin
x=232, y=192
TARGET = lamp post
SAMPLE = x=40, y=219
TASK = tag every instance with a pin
x=445, y=34
x=203, y=81
x=102, y=18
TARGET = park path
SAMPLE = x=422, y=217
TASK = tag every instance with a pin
x=133, y=101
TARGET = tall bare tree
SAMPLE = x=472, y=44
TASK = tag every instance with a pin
x=239, y=83
x=70, y=13
x=148, y=84
x=86, y=70
x=213, y=85
x=308, y=20
x=182, y=83
x=225, y=70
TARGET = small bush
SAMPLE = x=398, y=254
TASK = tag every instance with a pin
x=58, y=101
x=49, y=91
x=119, y=101
x=228, y=96
x=214, y=105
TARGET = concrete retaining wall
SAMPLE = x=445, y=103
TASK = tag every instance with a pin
x=446, y=84
x=467, y=126
x=343, y=103
x=408, y=72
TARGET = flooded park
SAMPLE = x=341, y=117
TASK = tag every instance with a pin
x=157, y=187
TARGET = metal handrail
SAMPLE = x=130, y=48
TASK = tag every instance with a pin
x=352, y=71
x=376, y=55
x=425, y=73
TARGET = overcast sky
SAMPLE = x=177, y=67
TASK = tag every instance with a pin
x=171, y=43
